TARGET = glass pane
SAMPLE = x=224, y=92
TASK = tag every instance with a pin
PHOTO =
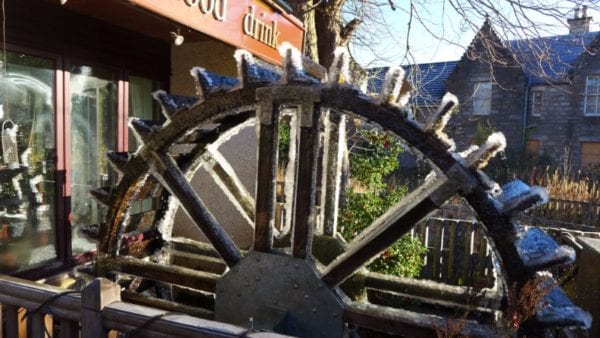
x=141, y=103
x=94, y=112
x=27, y=165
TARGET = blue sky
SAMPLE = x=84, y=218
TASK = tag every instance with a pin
x=440, y=22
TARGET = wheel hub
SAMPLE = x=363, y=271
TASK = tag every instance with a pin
x=279, y=293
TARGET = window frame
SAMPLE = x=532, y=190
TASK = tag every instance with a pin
x=480, y=101
x=537, y=103
x=62, y=61
x=589, y=95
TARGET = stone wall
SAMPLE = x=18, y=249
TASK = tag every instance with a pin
x=508, y=86
x=553, y=128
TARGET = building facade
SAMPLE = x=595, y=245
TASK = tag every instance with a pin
x=541, y=93
x=72, y=75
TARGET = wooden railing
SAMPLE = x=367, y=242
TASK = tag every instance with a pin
x=38, y=311
x=568, y=213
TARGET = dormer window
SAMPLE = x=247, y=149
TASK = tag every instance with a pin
x=592, y=95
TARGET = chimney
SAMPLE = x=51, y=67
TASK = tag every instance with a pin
x=579, y=24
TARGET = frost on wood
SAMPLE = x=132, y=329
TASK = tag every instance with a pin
x=339, y=72
x=293, y=68
x=390, y=90
x=558, y=310
x=480, y=157
x=517, y=196
x=438, y=121
x=208, y=83
x=172, y=104
x=538, y=250
x=250, y=70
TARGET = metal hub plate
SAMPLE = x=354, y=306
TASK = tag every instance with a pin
x=278, y=293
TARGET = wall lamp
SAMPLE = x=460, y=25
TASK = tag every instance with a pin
x=177, y=38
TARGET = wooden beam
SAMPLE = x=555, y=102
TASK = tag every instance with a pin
x=305, y=185
x=174, y=180
x=385, y=231
x=266, y=177
x=167, y=305
x=411, y=324
x=163, y=273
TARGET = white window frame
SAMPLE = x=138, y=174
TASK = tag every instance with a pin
x=482, y=98
x=592, y=94
x=535, y=102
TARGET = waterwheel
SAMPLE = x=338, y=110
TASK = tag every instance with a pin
x=284, y=287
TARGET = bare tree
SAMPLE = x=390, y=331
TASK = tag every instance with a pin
x=368, y=25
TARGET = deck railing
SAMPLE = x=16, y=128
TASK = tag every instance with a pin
x=40, y=311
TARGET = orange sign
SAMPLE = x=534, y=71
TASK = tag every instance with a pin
x=248, y=24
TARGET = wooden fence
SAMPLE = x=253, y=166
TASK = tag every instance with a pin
x=458, y=252
x=41, y=311
x=568, y=213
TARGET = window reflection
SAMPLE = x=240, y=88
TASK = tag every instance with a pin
x=94, y=112
x=27, y=165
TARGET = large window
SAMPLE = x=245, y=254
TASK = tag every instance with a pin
x=94, y=130
x=592, y=95
x=482, y=98
x=27, y=165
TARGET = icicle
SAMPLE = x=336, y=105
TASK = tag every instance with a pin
x=339, y=72
x=390, y=91
x=480, y=157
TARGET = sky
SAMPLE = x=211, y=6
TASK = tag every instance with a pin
x=387, y=42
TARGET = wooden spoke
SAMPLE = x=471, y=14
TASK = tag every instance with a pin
x=305, y=182
x=333, y=145
x=265, y=182
x=386, y=230
x=171, y=177
x=222, y=172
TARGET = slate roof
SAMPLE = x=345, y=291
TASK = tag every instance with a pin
x=558, y=53
x=428, y=81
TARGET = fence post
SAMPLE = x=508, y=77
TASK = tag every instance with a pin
x=94, y=298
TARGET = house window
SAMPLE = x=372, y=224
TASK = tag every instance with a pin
x=536, y=102
x=590, y=153
x=482, y=98
x=592, y=95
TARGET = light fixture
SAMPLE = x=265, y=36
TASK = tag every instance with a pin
x=62, y=2
x=177, y=38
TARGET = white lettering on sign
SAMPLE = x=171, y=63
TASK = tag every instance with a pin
x=260, y=30
x=216, y=8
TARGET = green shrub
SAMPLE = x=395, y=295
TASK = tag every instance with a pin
x=373, y=158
